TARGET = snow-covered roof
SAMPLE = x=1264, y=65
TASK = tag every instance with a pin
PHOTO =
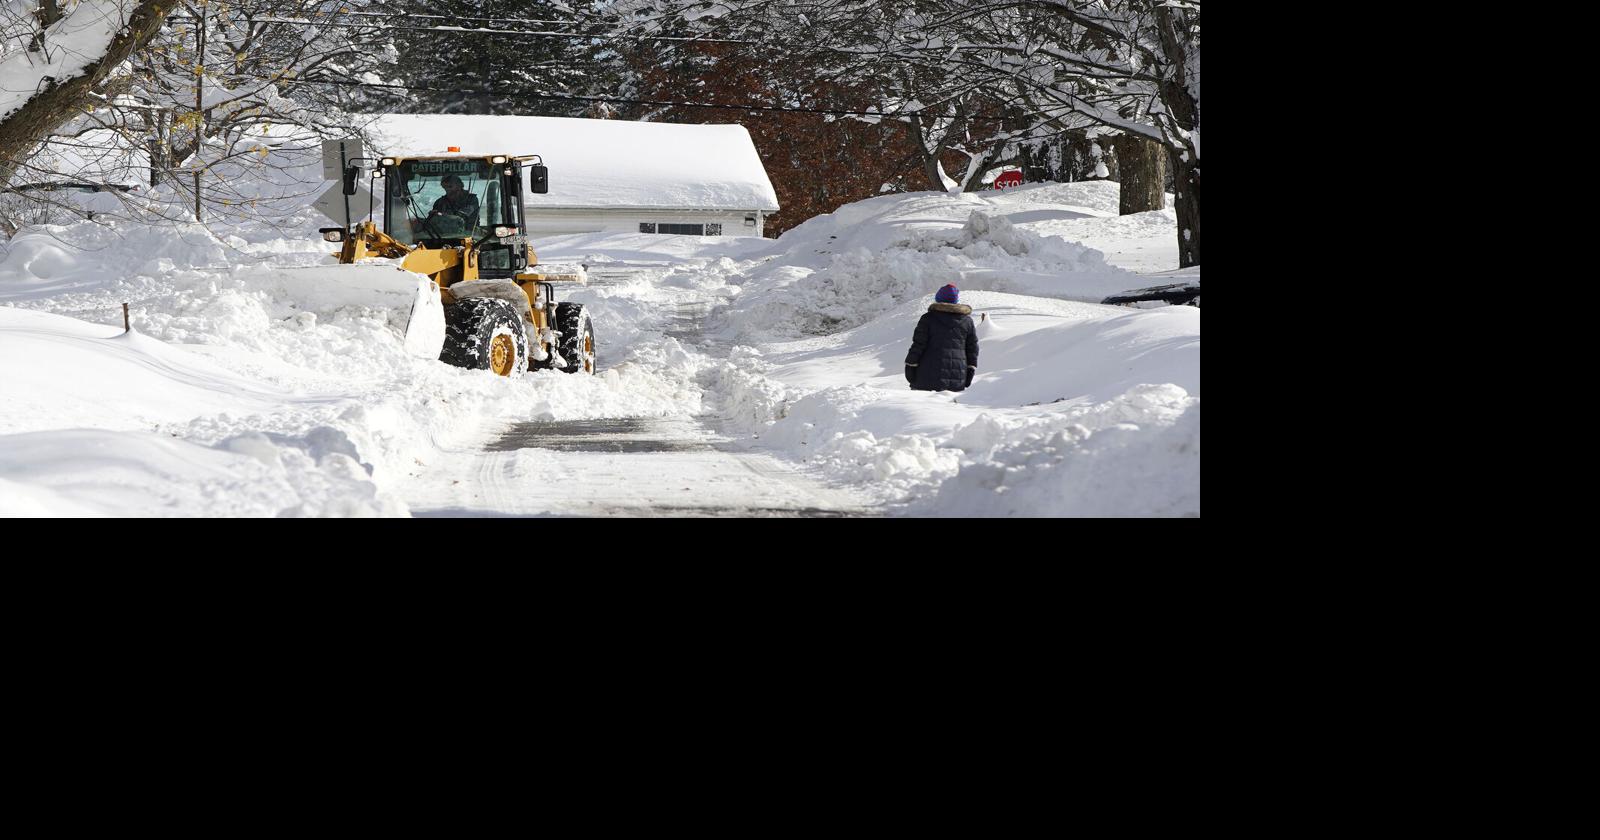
x=602, y=163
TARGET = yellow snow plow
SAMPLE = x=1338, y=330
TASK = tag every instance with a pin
x=453, y=241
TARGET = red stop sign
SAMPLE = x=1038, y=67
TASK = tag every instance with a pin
x=1008, y=179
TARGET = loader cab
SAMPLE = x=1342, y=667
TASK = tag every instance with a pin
x=423, y=207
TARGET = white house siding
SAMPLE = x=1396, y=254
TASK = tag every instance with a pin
x=551, y=221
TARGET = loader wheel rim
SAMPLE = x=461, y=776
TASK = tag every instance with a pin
x=502, y=355
x=588, y=353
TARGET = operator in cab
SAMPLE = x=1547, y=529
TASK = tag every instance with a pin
x=457, y=201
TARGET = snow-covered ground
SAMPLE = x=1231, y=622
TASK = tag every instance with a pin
x=776, y=364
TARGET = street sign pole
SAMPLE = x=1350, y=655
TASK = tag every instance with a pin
x=342, y=169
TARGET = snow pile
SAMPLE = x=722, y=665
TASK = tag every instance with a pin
x=91, y=472
x=54, y=261
x=1045, y=266
x=849, y=431
x=875, y=224
x=1087, y=212
x=1069, y=396
x=93, y=418
x=1137, y=455
x=1098, y=198
x=117, y=380
x=839, y=271
x=745, y=396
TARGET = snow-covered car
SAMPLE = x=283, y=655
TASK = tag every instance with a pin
x=1178, y=294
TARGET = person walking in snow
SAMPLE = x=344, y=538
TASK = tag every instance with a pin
x=944, y=348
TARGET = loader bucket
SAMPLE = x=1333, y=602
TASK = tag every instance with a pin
x=412, y=300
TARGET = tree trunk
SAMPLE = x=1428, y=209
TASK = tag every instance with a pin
x=1142, y=166
x=972, y=177
x=1183, y=112
x=930, y=160
x=930, y=170
x=1035, y=163
x=47, y=13
x=1109, y=157
x=160, y=145
x=1186, y=181
x=60, y=100
x=1078, y=160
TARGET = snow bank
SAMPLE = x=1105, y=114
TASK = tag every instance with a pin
x=1086, y=212
x=114, y=380
x=91, y=423
x=1135, y=456
x=102, y=473
x=1099, y=198
x=66, y=263
x=1076, y=390
x=844, y=269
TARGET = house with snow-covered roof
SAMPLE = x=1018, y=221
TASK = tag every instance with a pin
x=609, y=175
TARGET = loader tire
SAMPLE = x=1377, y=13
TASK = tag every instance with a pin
x=485, y=334
x=577, y=337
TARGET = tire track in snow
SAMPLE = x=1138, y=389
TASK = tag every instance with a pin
x=633, y=467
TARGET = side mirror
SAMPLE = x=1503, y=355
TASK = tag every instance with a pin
x=332, y=234
x=350, y=174
x=539, y=178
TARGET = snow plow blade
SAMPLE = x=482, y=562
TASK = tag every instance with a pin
x=410, y=299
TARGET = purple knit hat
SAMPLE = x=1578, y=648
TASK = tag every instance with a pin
x=948, y=294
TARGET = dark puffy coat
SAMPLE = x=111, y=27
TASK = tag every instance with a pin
x=943, y=349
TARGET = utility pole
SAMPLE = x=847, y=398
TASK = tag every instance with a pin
x=199, y=103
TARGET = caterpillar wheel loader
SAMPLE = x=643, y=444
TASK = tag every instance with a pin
x=486, y=304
